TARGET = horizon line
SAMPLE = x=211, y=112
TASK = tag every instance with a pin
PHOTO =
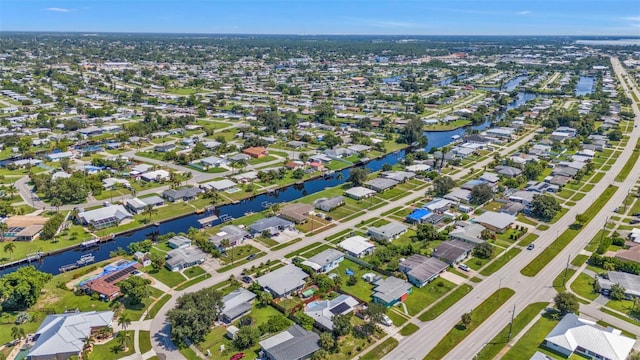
x=294, y=34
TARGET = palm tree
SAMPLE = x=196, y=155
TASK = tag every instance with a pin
x=8, y=248
x=17, y=332
x=117, y=307
x=3, y=228
x=88, y=342
x=149, y=210
x=122, y=338
x=124, y=321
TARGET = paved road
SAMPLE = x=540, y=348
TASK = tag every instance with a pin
x=160, y=328
x=528, y=290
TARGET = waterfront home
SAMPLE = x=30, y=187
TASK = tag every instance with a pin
x=272, y=225
x=184, y=193
x=185, y=257
x=328, y=204
x=178, y=242
x=104, y=217
x=296, y=212
x=359, y=193
x=380, y=184
x=233, y=233
x=139, y=205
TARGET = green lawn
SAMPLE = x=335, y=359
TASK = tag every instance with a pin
x=194, y=271
x=422, y=297
x=444, y=304
x=381, y=350
x=583, y=286
x=111, y=350
x=144, y=341
x=157, y=306
x=527, y=240
x=557, y=282
x=301, y=250
x=166, y=276
x=362, y=289
x=409, y=329
x=478, y=316
x=500, y=262
x=628, y=166
x=192, y=281
x=494, y=346
x=531, y=341
x=579, y=260
x=396, y=318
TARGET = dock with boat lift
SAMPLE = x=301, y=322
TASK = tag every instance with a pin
x=207, y=221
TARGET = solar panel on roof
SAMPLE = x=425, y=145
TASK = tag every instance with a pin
x=340, y=308
x=118, y=274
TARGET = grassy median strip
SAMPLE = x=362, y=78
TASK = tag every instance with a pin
x=500, y=262
x=626, y=169
x=157, y=306
x=193, y=281
x=381, y=350
x=442, y=305
x=498, y=343
x=620, y=316
x=409, y=329
x=144, y=339
x=478, y=315
x=537, y=264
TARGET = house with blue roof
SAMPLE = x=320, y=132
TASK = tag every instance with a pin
x=418, y=216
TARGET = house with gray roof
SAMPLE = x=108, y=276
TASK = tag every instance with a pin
x=494, y=221
x=179, y=241
x=236, y=303
x=387, y=232
x=184, y=193
x=508, y=171
x=233, y=233
x=283, y=281
x=219, y=185
x=62, y=336
x=380, y=184
x=323, y=311
x=359, y=193
x=399, y=176
x=390, y=291
x=452, y=251
x=294, y=344
x=357, y=246
x=584, y=337
x=471, y=233
x=421, y=270
x=182, y=258
x=328, y=204
x=325, y=261
x=630, y=283
x=272, y=225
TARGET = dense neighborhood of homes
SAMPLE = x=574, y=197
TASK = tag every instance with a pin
x=326, y=202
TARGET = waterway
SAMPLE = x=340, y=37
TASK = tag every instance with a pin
x=51, y=264
x=586, y=85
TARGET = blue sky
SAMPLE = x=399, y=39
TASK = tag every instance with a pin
x=418, y=17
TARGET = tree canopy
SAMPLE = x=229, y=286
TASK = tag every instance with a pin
x=194, y=315
x=544, y=206
x=21, y=288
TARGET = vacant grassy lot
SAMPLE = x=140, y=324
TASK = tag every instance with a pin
x=500, y=262
x=426, y=295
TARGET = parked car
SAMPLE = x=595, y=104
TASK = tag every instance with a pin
x=237, y=356
x=247, y=279
x=635, y=221
x=636, y=214
x=530, y=247
x=251, y=257
x=463, y=267
x=386, y=320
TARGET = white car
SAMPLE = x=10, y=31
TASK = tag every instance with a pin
x=386, y=320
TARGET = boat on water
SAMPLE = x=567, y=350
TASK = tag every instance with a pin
x=84, y=260
x=89, y=243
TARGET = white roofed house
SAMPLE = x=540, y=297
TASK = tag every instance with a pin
x=325, y=261
x=357, y=246
x=182, y=258
x=283, y=281
x=498, y=222
x=104, y=217
x=359, y=193
x=584, y=337
x=387, y=232
x=156, y=175
x=62, y=336
x=234, y=234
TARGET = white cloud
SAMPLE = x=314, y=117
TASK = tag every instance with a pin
x=57, y=9
x=524, y=12
x=394, y=24
x=632, y=18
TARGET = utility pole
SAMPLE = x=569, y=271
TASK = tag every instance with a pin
x=566, y=269
x=513, y=314
x=604, y=228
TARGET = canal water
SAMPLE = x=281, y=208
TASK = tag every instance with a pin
x=585, y=85
x=51, y=264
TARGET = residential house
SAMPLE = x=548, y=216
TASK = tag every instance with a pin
x=328, y=204
x=586, y=338
x=357, y=246
x=159, y=175
x=390, y=291
x=399, y=176
x=104, y=217
x=179, y=242
x=57, y=156
x=28, y=233
x=421, y=270
x=256, y=152
x=470, y=233
x=236, y=303
x=294, y=344
x=137, y=205
x=184, y=193
x=418, y=216
x=459, y=195
x=272, y=225
x=283, y=281
x=234, y=234
x=630, y=283
x=106, y=284
x=359, y=193
x=182, y=258
x=508, y=171
x=323, y=311
x=452, y=251
x=497, y=222
x=325, y=261
x=63, y=336
x=219, y=185
x=380, y=184
x=387, y=232
x=296, y=212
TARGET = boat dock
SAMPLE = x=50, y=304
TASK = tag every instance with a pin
x=207, y=221
x=84, y=260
